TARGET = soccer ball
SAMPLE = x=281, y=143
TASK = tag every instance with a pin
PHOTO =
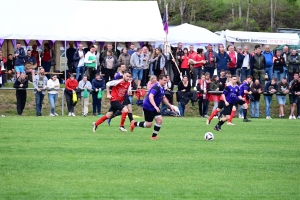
x=209, y=136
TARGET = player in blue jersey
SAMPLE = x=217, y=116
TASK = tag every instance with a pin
x=127, y=102
x=244, y=92
x=151, y=107
x=231, y=96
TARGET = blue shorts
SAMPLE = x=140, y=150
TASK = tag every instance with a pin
x=137, y=73
x=281, y=99
x=20, y=69
x=293, y=99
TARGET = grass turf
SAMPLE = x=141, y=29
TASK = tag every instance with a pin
x=60, y=158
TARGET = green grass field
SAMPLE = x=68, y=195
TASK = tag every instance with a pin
x=60, y=158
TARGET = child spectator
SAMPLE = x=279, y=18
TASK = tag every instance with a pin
x=270, y=89
x=256, y=89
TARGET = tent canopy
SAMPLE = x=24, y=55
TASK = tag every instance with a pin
x=193, y=35
x=262, y=37
x=81, y=20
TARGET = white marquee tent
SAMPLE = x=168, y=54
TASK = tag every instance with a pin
x=191, y=34
x=70, y=20
x=262, y=37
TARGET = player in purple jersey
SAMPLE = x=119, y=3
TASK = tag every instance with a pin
x=126, y=102
x=151, y=107
x=244, y=92
x=231, y=96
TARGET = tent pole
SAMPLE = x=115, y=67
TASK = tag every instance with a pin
x=115, y=46
x=65, y=57
x=62, y=100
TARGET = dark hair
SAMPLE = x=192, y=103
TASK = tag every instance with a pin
x=161, y=76
x=167, y=75
x=233, y=76
x=127, y=72
x=199, y=50
x=214, y=77
x=222, y=70
x=18, y=43
x=47, y=45
x=184, y=76
x=98, y=74
x=28, y=50
x=274, y=79
x=53, y=75
x=250, y=77
x=71, y=75
x=137, y=49
x=186, y=50
x=10, y=54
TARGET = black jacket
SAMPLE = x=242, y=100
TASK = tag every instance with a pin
x=18, y=82
x=278, y=63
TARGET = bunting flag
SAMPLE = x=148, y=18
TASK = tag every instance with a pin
x=39, y=43
x=1, y=43
x=232, y=43
x=93, y=41
x=141, y=44
x=262, y=45
x=63, y=43
x=14, y=43
x=165, y=21
x=77, y=43
x=26, y=43
x=101, y=44
x=51, y=43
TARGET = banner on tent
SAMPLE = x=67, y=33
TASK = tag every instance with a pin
x=259, y=40
x=1, y=43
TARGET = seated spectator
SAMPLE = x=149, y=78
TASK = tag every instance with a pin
x=278, y=64
x=53, y=86
x=98, y=85
x=30, y=64
x=184, y=87
x=10, y=67
x=21, y=83
x=294, y=96
x=40, y=85
x=85, y=86
x=256, y=89
x=152, y=81
x=71, y=87
x=270, y=89
x=202, y=88
x=283, y=90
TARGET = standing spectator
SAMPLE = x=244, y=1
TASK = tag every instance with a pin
x=232, y=65
x=2, y=69
x=48, y=58
x=19, y=55
x=152, y=81
x=21, y=84
x=278, y=64
x=157, y=62
x=269, y=62
x=36, y=54
x=85, y=86
x=70, y=54
x=145, y=56
x=71, y=87
x=185, y=69
x=78, y=60
x=245, y=68
x=30, y=64
x=90, y=61
x=98, y=84
x=258, y=65
x=10, y=67
x=184, y=87
x=239, y=62
x=285, y=54
x=270, y=89
x=222, y=59
x=178, y=53
x=293, y=64
x=283, y=90
x=214, y=86
x=295, y=94
x=197, y=71
x=210, y=57
x=222, y=80
x=40, y=85
x=124, y=58
x=257, y=89
x=110, y=64
x=136, y=63
x=132, y=49
x=109, y=47
x=53, y=86
x=169, y=89
x=202, y=88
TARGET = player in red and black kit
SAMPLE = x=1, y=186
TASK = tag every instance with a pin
x=117, y=97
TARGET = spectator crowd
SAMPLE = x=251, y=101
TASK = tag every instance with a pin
x=200, y=75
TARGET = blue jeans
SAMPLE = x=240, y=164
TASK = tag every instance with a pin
x=285, y=70
x=181, y=108
x=269, y=71
x=151, y=70
x=281, y=99
x=244, y=73
x=197, y=75
x=52, y=100
x=254, y=108
x=279, y=76
x=232, y=71
x=137, y=73
x=210, y=70
x=241, y=112
x=47, y=67
x=268, y=101
x=39, y=97
x=80, y=70
x=96, y=103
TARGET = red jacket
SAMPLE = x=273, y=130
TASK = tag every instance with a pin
x=71, y=84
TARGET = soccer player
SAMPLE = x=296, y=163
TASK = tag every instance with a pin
x=244, y=91
x=117, y=97
x=151, y=107
x=230, y=96
x=126, y=102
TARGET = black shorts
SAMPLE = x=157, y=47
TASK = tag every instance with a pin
x=221, y=104
x=239, y=102
x=115, y=106
x=227, y=109
x=150, y=115
x=126, y=101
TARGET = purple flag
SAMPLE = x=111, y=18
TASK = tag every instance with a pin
x=63, y=43
x=165, y=21
x=101, y=44
x=77, y=43
x=262, y=45
x=232, y=43
x=40, y=42
x=1, y=43
x=27, y=43
x=93, y=41
x=13, y=43
x=141, y=44
x=51, y=43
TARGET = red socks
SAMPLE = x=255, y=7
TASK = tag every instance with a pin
x=214, y=113
x=231, y=115
x=101, y=120
x=123, y=118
